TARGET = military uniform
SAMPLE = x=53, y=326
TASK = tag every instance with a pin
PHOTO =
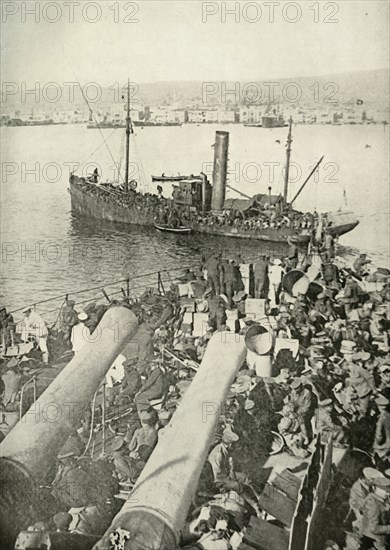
x=303, y=407
x=358, y=494
x=382, y=434
x=261, y=277
x=229, y=277
x=70, y=486
x=212, y=266
x=147, y=435
x=376, y=521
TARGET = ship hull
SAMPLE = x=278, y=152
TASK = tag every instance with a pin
x=93, y=206
x=341, y=223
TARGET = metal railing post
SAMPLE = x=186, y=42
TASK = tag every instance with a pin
x=160, y=284
x=103, y=417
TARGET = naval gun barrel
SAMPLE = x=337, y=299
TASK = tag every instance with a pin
x=28, y=452
x=221, y=148
x=156, y=510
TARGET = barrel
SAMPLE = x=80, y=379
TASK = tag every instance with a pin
x=295, y=282
x=314, y=291
x=263, y=366
x=259, y=339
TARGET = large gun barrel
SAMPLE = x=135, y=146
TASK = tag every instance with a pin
x=156, y=510
x=28, y=452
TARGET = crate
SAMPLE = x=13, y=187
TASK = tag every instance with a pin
x=200, y=324
x=188, y=304
x=255, y=306
x=188, y=318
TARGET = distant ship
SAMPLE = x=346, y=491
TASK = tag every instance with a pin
x=152, y=123
x=263, y=217
x=20, y=122
x=106, y=124
x=271, y=119
x=268, y=122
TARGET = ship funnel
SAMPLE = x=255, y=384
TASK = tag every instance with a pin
x=221, y=148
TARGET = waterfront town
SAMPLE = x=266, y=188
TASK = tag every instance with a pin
x=252, y=114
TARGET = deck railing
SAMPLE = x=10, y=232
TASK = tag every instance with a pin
x=160, y=279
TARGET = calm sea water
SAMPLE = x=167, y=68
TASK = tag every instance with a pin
x=47, y=253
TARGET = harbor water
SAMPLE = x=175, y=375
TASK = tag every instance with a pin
x=46, y=252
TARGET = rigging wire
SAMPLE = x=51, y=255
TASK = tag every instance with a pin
x=141, y=169
x=113, y=160
x=94, y=118
x=95, y=150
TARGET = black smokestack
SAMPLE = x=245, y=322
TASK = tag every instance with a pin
x=221, y=148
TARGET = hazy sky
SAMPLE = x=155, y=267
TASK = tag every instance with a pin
x=171, y=42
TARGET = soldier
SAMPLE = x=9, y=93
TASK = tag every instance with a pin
x=68, y=318
x=375, y=525
x=359, y=265
x=382, y=431
x=239, y=300
x=69, y=484
x=6, y=326
x=132, y=379
x=275, y=279
x=327, y=427
x=120, y=459
x=212, y=267
x=219, y=460
x=34, y=326
x=359, y=492
x=155, y=386
x=146, y=435
x=11, y=380
x=292, y=258
x=302, y=400
x=261, y=277
x=80, y=333
x=229, y=279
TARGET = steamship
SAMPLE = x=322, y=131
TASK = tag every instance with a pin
x=205, y=202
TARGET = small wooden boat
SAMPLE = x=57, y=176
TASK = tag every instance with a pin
x=167, y=229
x=163, y=177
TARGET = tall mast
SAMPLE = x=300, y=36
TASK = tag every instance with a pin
x=288, y=154
x=128, y=130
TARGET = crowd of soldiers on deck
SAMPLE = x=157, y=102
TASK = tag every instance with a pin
x=264, y=219
x=330, y=380
x=167, y=212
